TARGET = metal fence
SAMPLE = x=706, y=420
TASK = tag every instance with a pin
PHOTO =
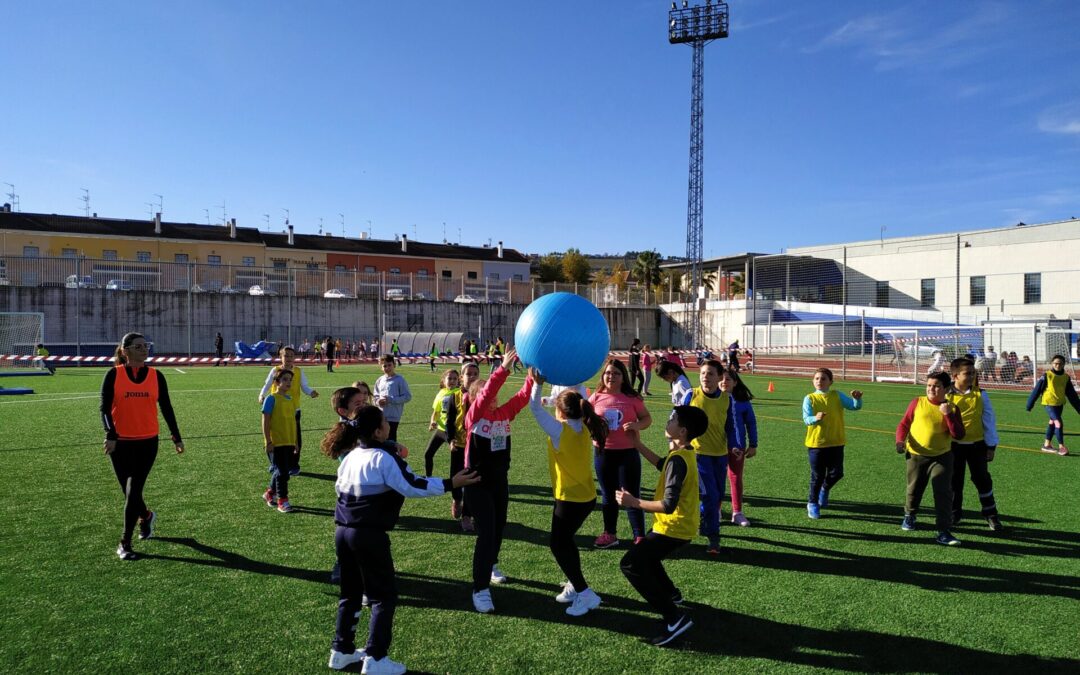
x=172, y=277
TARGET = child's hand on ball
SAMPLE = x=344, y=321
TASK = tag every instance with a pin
x=536, y=376
x=509, y=358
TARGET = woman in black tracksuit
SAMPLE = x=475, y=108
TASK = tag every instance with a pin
x=130, y=396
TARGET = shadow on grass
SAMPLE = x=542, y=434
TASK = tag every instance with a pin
x=224, y=559
x=722, y=633
x=320, y=476
x=887, y=512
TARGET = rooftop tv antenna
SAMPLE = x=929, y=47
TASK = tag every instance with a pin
x=14, y=198
x=85, y=199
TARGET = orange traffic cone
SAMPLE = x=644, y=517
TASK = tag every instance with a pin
x=771, y=388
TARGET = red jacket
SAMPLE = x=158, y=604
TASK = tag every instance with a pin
x=488, y=432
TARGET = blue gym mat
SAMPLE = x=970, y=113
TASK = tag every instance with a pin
x=15, y=392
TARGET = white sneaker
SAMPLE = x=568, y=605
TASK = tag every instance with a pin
x=339, y=660
x=568, y=593
x=481, y=600
x=583, y=602
x=739, y=519
x=383, y=666
x=497, y=577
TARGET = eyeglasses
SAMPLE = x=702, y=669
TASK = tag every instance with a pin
x=139, y=345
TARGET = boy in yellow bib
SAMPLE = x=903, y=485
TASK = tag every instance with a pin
x=1055, y=388
x=924, y=436
x=823, y=415
x=980, y=441
x=676, y=517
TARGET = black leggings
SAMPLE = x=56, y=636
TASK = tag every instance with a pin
x=620, y=468
x=566, y=520
x=436, y=442
x=132, y=461
x=643, y=567
x=457, y=463
x=367, y=568
x=488, y=501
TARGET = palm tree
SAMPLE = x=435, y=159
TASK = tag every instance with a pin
x=647, y=269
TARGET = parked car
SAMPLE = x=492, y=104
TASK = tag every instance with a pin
x=466, y=298
x=259, y=290
x=85, y=281
x=338, y=293
x=118, y=285
x=196, y=288
x=230, y=290
x=396, y=294
x=423, y=295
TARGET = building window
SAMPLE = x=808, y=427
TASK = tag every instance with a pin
x=339, y=268
x=471, y=275
x=370, y=269
x=882, y=299
x=421, y=272
x=30, y=251
x=518, y=277
x=142, y=256
x=312, y=266
x=213, y=260
x=69, y=253
x=395, y=270
x=280, y=264
x=180, y=257
x=493, y=275
x=978, y=291
x=108, y=254
x=447, y=274
x=927, y=293
x=249, y=261
x=1032, y=289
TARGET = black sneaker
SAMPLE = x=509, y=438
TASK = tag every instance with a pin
x=124, y=552
x=677, y=598
x=995, y=523
x=946, y=539
x=672, y=630
x=146, y=526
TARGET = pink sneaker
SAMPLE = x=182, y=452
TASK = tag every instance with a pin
x=638, y=540
x=1048, y=448
x=1062, y=450
x=606, y=540
x=739, y=519
x=270, y=499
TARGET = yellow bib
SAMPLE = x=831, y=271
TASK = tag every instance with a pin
x=283, y=419
x=571, y=467
x=829, y=431
x=1055, y=388
x=294, y=388
x=682, y=523
x=441, y=407
x=929, y=435
x=714, y=441
x=970, y=406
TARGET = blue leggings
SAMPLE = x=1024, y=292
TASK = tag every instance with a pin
x=1057, y=424
x=712, y=476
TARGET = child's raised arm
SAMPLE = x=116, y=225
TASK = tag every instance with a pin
x=853, y=402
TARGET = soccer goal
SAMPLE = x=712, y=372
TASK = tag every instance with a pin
x=910, y=353
x=20, y=334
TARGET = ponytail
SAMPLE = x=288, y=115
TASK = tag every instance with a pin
x=125, y=342
x=573, y=406
x=344, y=436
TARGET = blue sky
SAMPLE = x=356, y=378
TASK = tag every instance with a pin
x=547, y=124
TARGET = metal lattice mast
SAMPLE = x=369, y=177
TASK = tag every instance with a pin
x=696, y=26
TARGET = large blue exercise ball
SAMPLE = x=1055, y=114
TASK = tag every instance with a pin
x=564, y=336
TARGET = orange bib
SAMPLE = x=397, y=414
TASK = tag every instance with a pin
x=134, y=407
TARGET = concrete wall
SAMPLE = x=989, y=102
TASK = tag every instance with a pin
x=178, y=322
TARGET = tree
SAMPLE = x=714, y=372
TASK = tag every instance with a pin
x=647, y=269
x=575, y=267
x=550, y=268
x=618, y=276
x=736, y=285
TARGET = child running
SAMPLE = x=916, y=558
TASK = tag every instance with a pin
x=487, y=452
x=673, y=374
x=980, y=441
x=711, y=448
x=279, y=433
x=372, y=485
x=441, y=409
x=923, y=437
x=391, y=393
x=618, y=465
x=1055, y=387
x=742, y=439
x=675, y=520
x=823, y=414
x=569, y=450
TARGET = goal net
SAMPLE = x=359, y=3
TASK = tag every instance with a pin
x=1005, y=355
x=20, y=334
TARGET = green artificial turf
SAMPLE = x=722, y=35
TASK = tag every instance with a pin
x=228, y=585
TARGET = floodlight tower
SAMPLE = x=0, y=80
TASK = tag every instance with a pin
x=696, y=26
